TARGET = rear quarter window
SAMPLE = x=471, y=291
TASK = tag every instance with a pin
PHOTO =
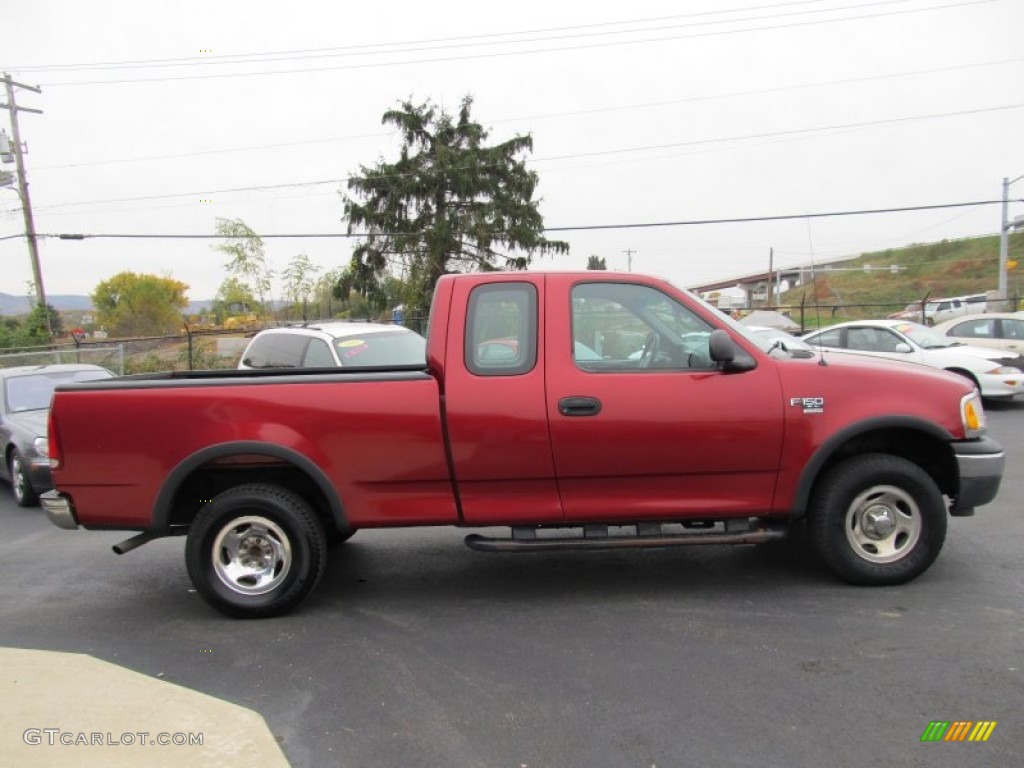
x=276, y=350
x=501, y=329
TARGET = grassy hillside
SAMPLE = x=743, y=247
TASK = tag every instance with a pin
x=946, y=268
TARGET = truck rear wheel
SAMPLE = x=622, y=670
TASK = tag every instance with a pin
x=256, y=551
x=877, y=520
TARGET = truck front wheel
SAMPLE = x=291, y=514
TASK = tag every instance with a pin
x=878, y=520
x=256, y=551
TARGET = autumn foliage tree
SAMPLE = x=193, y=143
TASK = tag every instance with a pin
x=450, y=203
x=130, y=304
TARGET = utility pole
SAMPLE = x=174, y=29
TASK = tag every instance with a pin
x=26, y=205
x=771, y=283
x=629, y=259
x=1004, y=242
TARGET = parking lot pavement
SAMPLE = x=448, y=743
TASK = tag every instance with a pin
x=415, y=651
x=73, y=710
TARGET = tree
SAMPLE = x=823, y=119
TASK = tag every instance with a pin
x=246, y=260
x=299, y=281
x=449, y=203
x=596, y=262
x=233, y=297
x=41, y=325
x=130, y=304
x=31, y=330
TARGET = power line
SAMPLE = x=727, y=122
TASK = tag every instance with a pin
x=597, y=110
x=370, y=47
x=794, y=131
x=598, y=153
x=499, y=54
x=577, y=228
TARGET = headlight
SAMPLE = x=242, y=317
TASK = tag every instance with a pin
x=972, y=415
x=1005, y=370
x=42, y=446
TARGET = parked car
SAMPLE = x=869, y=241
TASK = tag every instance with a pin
x=786, y=341
x=335, y=344
x=995, y=373
x=1001, y=330
x=24, y=409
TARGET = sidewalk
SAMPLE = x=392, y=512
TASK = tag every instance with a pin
x=69, y=709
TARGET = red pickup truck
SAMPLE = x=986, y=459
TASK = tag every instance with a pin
x=583, y=410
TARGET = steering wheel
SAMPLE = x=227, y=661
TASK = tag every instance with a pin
x=650, y=351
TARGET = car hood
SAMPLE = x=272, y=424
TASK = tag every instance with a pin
x=31, y=423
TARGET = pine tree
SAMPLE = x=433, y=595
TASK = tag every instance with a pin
x=450, y=203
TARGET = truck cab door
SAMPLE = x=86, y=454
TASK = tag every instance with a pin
x=643, y=423
x=494, y=401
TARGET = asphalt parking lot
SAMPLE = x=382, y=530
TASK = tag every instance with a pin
x=415, y=651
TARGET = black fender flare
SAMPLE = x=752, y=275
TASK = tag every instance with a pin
x=163, y=507
x=827, y=449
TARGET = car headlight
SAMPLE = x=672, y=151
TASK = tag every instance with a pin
x=972, y=415
x=42, y=446
x=1005, y=370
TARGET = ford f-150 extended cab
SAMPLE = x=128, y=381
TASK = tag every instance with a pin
x=583, y=410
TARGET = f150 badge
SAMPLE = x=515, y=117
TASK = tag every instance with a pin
x=809, y=404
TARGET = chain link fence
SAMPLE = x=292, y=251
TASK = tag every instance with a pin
x=201, y=350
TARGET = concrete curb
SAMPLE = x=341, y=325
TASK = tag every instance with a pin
x=70, y=709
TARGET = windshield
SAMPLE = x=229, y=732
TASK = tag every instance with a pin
x=382, y=349
x=925, y=337
x=33, y=392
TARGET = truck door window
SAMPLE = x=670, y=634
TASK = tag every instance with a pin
x=501, y=329
x=627, y=327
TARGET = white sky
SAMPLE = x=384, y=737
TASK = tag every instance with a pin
x=683, y=78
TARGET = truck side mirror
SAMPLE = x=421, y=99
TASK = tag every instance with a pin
x=723, y=350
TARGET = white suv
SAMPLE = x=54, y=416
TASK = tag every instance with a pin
x=335, y=344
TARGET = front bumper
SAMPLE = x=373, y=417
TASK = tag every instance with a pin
x=59, y=510
x=39, y=476
x=1005, y=385
x=981, y=463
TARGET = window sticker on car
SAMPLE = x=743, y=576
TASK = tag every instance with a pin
x=350, y=353
x=351, y=343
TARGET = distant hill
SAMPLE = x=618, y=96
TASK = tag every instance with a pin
x=893, y=278
x=19, y=305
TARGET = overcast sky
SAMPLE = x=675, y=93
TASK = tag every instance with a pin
x=160, y=117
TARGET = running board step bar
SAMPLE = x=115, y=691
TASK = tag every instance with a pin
x=595, y=537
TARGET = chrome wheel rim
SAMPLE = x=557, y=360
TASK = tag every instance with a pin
x=883, y=524
x=251, y=555
x=17, y=479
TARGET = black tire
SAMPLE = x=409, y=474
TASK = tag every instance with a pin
x=256, y=551
x=24, y=494
x=336, y=537
x=877, y=520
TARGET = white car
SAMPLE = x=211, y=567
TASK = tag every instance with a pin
x=1000, y=330
x=795, y=346
x=335, y=344
x=996, y=373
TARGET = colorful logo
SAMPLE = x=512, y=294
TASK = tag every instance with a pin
x=958, y=730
